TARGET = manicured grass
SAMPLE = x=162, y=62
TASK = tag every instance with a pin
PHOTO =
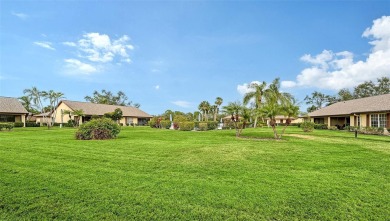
x=150, y=174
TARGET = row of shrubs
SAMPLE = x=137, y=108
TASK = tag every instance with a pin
x=367, y=130
x=185, y=125
x=7, y=126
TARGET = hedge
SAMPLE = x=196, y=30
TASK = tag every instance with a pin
x=202, y=126
x=186, y=126
x=7, y=126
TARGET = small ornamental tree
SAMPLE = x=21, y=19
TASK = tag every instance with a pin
x=115, y=116
x=98, y=129
x=307, y=126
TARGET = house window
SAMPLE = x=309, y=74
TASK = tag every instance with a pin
x=378, y=120
x=319, y=120
x=7, y=118
x=129, y=120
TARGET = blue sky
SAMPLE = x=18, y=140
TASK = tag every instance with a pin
x=175, y=54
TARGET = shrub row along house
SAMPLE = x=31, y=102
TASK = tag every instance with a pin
x=11, y=110
x=364, y=112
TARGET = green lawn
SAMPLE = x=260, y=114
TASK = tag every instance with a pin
x=150, y=174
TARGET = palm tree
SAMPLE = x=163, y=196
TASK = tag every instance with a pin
x=274, y=102
x=54, y=98
x=256, y=93
x=218, y=102
x=77, y=114
x=235, y=109
x=36, y=97
x=204, y=107
x=289, y=109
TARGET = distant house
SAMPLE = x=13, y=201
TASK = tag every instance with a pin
x=42, y=118
x=364, y=112
x=11, y=110
x=131, y=115
x=280, y=119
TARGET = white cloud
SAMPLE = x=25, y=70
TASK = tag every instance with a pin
x=44, y=44
x=20, y=15
x=243, y=89
x=184, y=104
x=157, y=87
x=75, y=66
x=288, y=84
x=101, y=48
x=71, y=44
x=330, y=70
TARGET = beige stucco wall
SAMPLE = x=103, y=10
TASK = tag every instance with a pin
x=66, y=118
x=126, y=120
x=21, y=118
x=352, y=120
x=298, y=120
x=18, y=118
x=363, y=120
x=42, y=120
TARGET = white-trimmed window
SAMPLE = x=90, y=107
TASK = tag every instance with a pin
x=378, y=120
x=357, y=122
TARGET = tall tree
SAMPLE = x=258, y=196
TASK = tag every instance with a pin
x=107, y=97
x=317, y=99
x=218, y=102
x=54, y=98
x=204, y=107
x=27, y=103
x=366, y=89
x=383, y=86
x=276, y=103
x=256, y=92
x=36, y=97
x=235, y=109
x=290, y=109
x=345, y=94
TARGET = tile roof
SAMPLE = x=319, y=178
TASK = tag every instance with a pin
x=11, y=105
x=363, y=105
x=42, y=114
x=101, y=109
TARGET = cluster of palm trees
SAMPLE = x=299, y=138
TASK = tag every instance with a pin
x=206, y=109
x=267, y=103
x=33, y=102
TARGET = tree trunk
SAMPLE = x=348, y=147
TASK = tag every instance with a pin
x=283, y=131
x=255, y=125
x=275, y=132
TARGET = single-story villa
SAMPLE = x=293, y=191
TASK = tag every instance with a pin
x=280, y=119
x=11, y=110
x=364, y=112
x=42, y=118
x=131, y=115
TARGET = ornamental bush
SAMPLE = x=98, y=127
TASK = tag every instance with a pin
x=7, y=126
x=212, y=125
x=165, y=124
x=19, y=124
x=320, y=126
x=186, y=126
x=153, y=123
x=307, y=126
x=32, y=124
x=98, y=129
x=202, y=126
